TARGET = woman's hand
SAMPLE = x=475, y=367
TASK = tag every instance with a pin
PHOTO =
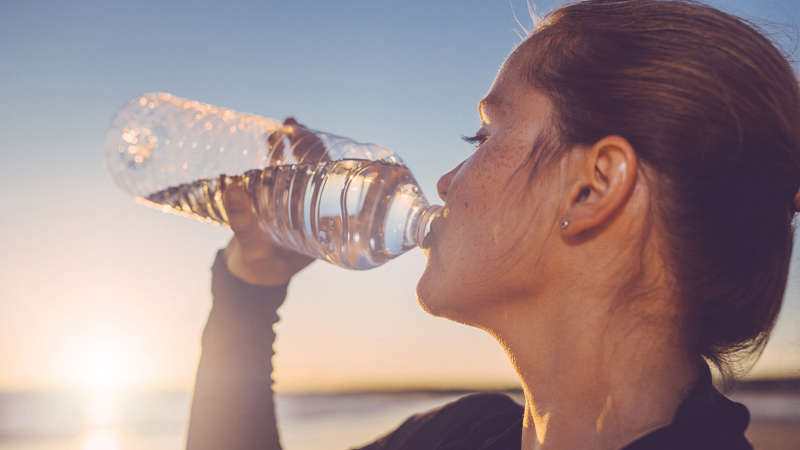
x=251, y=255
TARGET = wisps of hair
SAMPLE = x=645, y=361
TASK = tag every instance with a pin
x=524, y=31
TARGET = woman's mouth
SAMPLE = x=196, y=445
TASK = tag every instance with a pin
x=436, y=226
x=428, y=241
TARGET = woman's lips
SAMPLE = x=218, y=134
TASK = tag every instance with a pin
x=435, y=229
x=426, y=243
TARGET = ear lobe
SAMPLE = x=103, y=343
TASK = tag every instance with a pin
x=605, y=180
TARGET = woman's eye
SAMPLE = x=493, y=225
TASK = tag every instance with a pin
x=476, y=140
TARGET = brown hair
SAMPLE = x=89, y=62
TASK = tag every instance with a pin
x=712, y=108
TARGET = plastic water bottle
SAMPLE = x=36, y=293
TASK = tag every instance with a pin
x=352, y=204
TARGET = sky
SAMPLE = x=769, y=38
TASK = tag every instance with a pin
x=95, y=288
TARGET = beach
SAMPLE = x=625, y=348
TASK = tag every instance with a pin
x=158, y=420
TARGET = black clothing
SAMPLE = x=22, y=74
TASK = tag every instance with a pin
x=705, y=420
x=233, y=407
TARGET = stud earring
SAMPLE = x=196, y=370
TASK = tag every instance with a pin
x=564, y=224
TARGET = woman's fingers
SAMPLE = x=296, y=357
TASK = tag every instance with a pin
x=252, y=254
x=254, y=242
x=294, y=143
x=241, y=216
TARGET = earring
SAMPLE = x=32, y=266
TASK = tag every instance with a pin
x=564, y=224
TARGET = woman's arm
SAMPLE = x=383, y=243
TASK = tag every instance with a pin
x=233, y=406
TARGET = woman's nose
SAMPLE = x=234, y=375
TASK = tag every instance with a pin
x=444, y=183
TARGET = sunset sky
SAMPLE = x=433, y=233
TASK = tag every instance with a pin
x=96, y=290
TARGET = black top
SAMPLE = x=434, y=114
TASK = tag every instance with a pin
x=233, y=407
x=705, y=420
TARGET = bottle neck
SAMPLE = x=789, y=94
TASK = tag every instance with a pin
x=424, y=220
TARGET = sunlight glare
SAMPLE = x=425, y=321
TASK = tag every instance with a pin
x=101, y=440
x=104, y=368
x=103, y=408
x=101, y=365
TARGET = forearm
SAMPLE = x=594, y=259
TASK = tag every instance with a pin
x=233, y=405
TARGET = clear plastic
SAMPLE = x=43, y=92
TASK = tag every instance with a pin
x=352, y=204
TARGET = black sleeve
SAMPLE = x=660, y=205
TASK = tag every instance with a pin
x=233, y=406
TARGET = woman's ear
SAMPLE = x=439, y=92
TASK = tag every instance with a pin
x=604, y=181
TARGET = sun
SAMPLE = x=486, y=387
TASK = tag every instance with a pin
x=105, y=367
x=100, y=365
x=100, y=362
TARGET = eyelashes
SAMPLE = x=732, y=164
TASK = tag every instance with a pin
x=476, y=140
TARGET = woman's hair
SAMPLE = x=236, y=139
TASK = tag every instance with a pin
x=712, y=109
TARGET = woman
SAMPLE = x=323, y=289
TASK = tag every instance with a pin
x=625, y=217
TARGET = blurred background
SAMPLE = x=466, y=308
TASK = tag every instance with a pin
x=102, y=301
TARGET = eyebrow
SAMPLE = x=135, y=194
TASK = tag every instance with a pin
x=484, y=104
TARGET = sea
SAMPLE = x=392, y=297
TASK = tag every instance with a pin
x=158, y=420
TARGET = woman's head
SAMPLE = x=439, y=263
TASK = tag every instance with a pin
x=712, y=112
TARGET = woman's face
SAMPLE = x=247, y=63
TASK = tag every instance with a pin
x=492, y=244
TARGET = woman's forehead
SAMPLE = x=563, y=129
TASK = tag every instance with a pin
x=502, y=90
x=510, y=87
x=515, y=68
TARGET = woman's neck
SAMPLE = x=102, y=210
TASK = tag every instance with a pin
x=596, y=378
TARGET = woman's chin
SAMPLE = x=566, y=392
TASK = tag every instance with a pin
x=424, y=288
x=429, y=293
x=435, y=299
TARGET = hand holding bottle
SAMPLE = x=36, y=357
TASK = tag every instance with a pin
x=252, y=255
